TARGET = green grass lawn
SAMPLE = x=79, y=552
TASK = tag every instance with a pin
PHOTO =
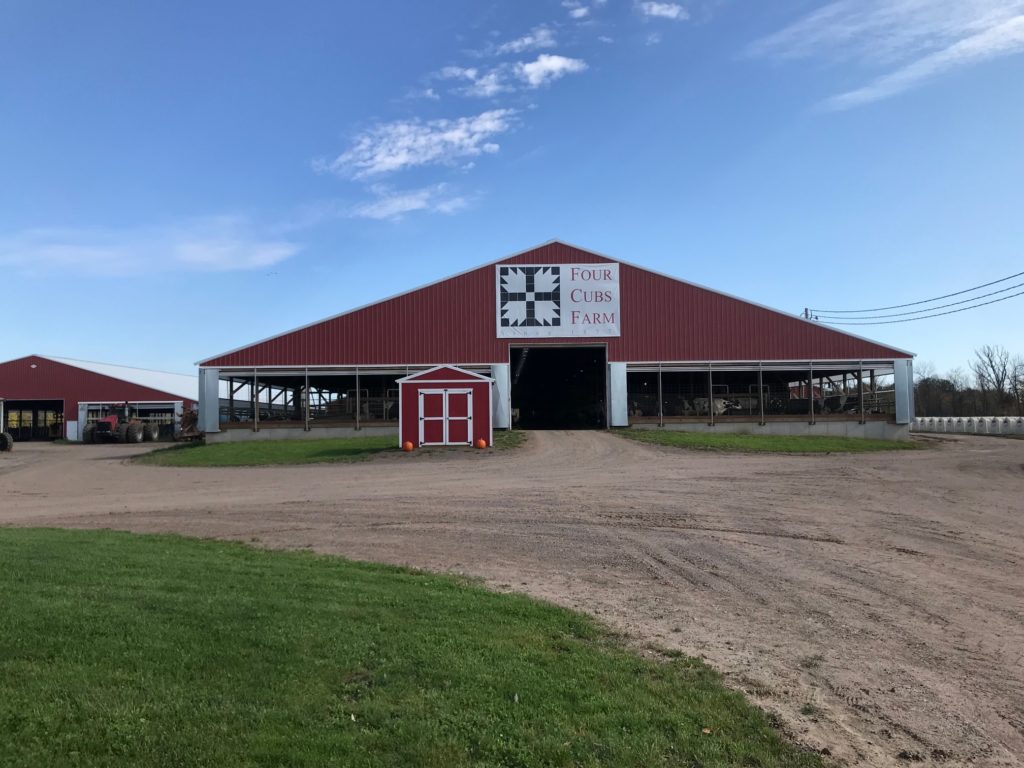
x=310, y=451
x=763, y=443
x=506, y=439
x=265, y=452
x=123, y=650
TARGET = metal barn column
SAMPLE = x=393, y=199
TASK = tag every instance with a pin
x=619, y=411
x=305, y=399
x=255, y=400
x=860, y=392
x=810, y=394
x=209, y=399
x=661, y=400
x=903, y=384
x=501, y=405
x=711, y=398
x=760, y=391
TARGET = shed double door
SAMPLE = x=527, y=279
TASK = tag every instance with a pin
x=446, y=416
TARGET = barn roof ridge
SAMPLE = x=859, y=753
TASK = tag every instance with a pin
x=160, y=381
x=555, y=241
x=390, y=298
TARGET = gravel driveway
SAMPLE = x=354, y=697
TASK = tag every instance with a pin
x=874, y=603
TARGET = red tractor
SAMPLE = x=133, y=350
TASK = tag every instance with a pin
x=121, y=425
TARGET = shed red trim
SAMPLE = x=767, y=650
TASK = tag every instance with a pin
x=444, y=373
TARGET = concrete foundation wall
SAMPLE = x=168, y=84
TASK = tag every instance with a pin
x=297, y=433
x=879, y=430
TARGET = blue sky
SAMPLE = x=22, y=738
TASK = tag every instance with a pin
x=182, y=178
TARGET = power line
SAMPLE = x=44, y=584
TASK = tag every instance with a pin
x=937, y=314
x=914, y=303
x=929, y=309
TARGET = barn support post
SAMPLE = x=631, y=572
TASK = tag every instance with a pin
x=358, y=400
x=860, y=392
x=760, y=392
x=231, y=399
x=255, y=400
x=618, y=396
x=209, y=399
x=502, y=409
x=903, y=390
x=661, y=400
x=810, y=394
x=305, y=400
x=711, y=398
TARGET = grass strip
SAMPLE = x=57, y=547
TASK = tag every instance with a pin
x=270, y=452
x=154, y=651
x=507, y=439
x=764, y=443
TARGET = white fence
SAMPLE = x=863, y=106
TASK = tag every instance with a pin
x=970, y=425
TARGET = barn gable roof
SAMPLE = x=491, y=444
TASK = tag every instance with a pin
x=665, y=318
x=158, y=383
x=182, y=385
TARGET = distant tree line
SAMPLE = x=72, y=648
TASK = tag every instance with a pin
x=992, y=385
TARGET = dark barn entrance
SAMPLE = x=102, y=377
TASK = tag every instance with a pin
x=34, y=419
x=558, y=387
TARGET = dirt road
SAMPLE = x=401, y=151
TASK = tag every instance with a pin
x=874, y=603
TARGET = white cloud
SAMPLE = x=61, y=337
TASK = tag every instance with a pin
x=579, y=13
x=538, y=37
x=653, y=39
x=402, y=144
x=672, y=11
x=481, y=83
x=548, y=68
x=1001, y=40
x=392, y=205
x=212, y=244
x=489, y=84
x=606, y=39
x=448, y=73
x=915, y=40
x=422, y=93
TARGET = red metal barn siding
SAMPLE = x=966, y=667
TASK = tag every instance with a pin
x=664, y=319
x=50, y=380
x=454, y=320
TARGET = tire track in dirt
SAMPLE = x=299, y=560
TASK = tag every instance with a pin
x=883, y=595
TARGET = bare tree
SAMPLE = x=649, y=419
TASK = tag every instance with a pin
x=991, y=368
x=1017, y=383
x=925, y=370
x=960, y=385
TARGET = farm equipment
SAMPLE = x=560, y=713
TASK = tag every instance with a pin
x=121, y=425
x=189, y=427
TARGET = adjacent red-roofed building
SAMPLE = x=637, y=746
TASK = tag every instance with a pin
x=54, y=397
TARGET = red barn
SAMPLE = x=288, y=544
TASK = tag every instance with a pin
x=571, y=339
x=53, y=397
